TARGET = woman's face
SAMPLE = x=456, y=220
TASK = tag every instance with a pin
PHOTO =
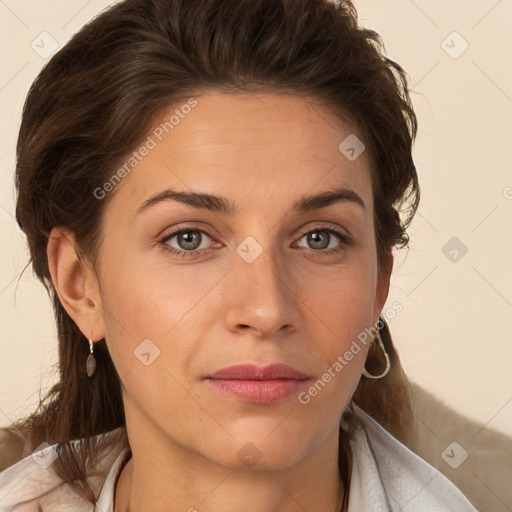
x=254, y=278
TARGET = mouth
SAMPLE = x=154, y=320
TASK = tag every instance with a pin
x=255, y=384
x=258, y=391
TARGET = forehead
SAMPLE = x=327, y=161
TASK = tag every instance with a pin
x=251, y=147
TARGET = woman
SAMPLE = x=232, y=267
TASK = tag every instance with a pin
x=211, y=192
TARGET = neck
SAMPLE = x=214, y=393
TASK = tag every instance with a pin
x=200, y=486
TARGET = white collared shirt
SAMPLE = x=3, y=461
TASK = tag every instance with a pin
x=386, y=477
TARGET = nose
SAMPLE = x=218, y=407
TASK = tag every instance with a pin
x=262, y=296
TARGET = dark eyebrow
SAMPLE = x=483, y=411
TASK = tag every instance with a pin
x=223, y=205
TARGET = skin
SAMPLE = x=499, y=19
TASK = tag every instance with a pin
x=294, y=304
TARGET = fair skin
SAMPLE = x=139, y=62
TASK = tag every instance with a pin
x=293, y=304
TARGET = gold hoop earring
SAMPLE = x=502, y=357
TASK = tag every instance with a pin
x=90, y=365
x=388, y=362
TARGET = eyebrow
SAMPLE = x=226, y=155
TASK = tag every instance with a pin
x=224, y=205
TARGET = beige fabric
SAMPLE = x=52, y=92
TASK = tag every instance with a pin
x=485, y=476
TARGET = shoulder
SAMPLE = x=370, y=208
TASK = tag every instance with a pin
x=392, y=474
x=32, y=485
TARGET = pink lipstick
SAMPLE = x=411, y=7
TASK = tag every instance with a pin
x=256, y=384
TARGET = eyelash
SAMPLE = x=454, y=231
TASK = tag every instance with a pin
x=345, y=242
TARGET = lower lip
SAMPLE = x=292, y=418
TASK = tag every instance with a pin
x=258, y=391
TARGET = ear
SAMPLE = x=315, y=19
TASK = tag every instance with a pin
x=75, y=283
x=383, y=280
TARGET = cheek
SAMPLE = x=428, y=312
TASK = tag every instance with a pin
x=341, y=312
x=152, y=308
x=162, y=323
x=171, y=305
x=343, y=298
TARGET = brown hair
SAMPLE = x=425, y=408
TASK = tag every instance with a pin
x=94, y=102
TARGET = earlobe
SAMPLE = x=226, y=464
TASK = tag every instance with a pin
x=75, y=283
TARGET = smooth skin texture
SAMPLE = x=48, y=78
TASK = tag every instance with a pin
x=302, y=302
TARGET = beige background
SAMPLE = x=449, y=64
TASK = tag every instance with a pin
x=454, y=334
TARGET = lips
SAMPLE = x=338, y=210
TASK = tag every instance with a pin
x=258, y=384
x=254, y=372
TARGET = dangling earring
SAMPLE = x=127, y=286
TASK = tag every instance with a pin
x=90, y=365
x=388, y=363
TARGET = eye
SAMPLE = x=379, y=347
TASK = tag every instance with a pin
x=321, y=240
x=188, y=242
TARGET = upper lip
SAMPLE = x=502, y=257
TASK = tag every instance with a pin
x=254, y=372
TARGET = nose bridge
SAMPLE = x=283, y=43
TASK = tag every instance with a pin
x=263, y=266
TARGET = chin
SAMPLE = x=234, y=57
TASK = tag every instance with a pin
x=260, y=454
